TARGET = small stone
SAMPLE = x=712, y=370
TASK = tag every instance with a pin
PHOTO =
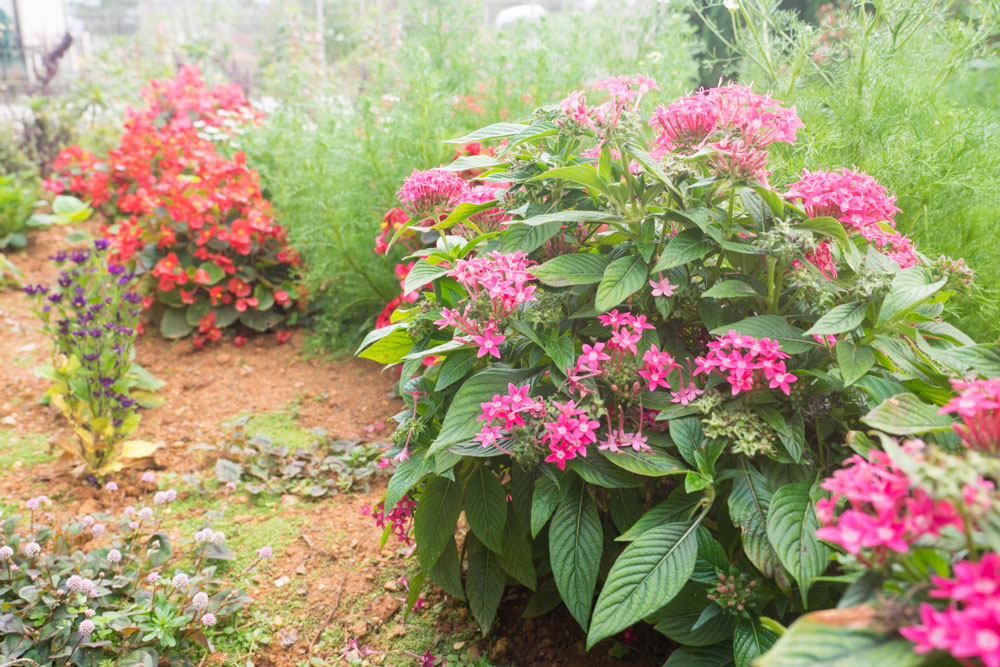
x=288, y=637
x=287, y=500
x=281, y=581
x=397, y=630
x=359, y=629
x=499, y=649
x=391, y=586
x=384, y=607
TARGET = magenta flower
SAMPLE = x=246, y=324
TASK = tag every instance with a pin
x=978, y=406
x=662, y=287
x=488, y=344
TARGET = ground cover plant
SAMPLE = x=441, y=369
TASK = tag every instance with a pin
x=646, y=359
x=190, y=216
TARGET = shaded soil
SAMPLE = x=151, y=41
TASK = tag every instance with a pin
x=334, y=562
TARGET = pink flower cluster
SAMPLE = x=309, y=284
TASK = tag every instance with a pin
x=970, y=626
x=569, y=435
x=626, y=92
x=431, y=193
x=860, y=203
x=510, y=410
x=491, y=219
x=884, y=514
x=744, y=360
x=399, y=518
x=978, y=405
x=733, y=120
x=501, y=279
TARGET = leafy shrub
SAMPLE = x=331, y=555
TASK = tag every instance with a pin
x=109, y=586
x=656, y=359
x=190, y=216
x=881, y=86
x=91, y=315
x=323, y=469
x=19, y=214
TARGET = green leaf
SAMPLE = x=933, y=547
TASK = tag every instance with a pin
x=597, y=470
x=466, y=162
x=719, y=655
x=494, y=131
x=174, y=323
x=809, y=642
x=516, y=559
x=579, y=269
x=653, y=463
x=262, y=320
x=584, y=174
x=461, y=421
x=435, y=518
x=407, y=473
x=447, y=571
x=754, y=205
x=543, y=502
x=543, y=600
x=749, y=501
x=791, y=529
x=622, y=278
x=772, y=326
x=462, y=212
x=678, y=618
x=422, y=273
x=486, y=506
x=906, y=414
x=834, y=229
x=687, y=246
x=647, y=575
x=484, y=583
x=751, y=640
x=454, y=344
x=853, y=360
x=572, y=217
x=910, y=287
x=575, y=547
x=730, y=289
x=454, y=368
x=688, y=437
x=845, y=317
x=528, y=238
x=390, y=349
x=214, y=271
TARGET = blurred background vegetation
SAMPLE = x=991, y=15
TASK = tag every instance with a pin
x=360, y=92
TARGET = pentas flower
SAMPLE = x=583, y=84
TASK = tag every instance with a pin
x=662, y=287
x=510, y=410
x=431, y=193
x=492, y=219
x=970, y=626
x=625, y=92
x=399, y=518
x=860, y=204
x=568, y=436
x=978, y=406
x=745, y=362
x=885, y=512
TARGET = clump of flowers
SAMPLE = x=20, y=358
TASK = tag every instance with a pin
x=398, y=520
x=885, y=512
x=217, y=249
x=978, y=406
x=91, y=315
x=625, y=94
x=497, y=284
x=104, y=590
x=736, y=123
x=970, y=626
x=746, y=363
x=431, y=194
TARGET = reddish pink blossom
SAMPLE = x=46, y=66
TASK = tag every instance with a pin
x=978, y=406
x=431, y=193
x=569, y=435
x=744, y=361
x=662, y=287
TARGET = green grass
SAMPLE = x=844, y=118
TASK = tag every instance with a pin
x=22, y=451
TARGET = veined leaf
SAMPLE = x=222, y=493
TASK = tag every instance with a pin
x=845, y=317
x=718, y=655
x=749, y=501
x=584, y=174
x=543, y=502
x=853, y=360
x=435, y=518
x=772, y=326
x=622, y=278
x=751, y=640
x=566, y=216
x=647, y=575
x=462, y=212
x=461, y=421
x=447, y=571
x=494, y=131
x=575, y=546
x=579, y=269
x=909, y=289
x=486, y=506
x=466, y=162
x=905, y=414
x=687, y=246
x=484, y=583
x=730, y=289
x=791, y=529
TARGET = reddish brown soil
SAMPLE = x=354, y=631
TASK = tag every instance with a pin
x=337, y=553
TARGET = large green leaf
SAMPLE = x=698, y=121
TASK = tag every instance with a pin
x=910, y=287
x=544, y=501
x=466, y=162
x=906, y=414
x=529, y=238
x=853, y=360
x=579, y=269
x=772, y=326
x=622, y=278
x=730, y=289
x=435, y=518
x=584, y=174
x=687, y=246
x=647, y=575
x=422, y=273
x=485, y=581
x=386, y=345
x=751, y=640
x=678, y=619
x=462, y=212
x=719, y=655
x=494, y=131
x=810, y=642
x=679, y=507
x=447, y=571
x=461, y=423
x=575, y=546
x=652, y=463
x=486, y=506
x=565, y=216
x=749, y=501
x=596, y=469
x=516, y=558
x=791, y=529
x=845, y=317
x=407, y=473
x=174, y=323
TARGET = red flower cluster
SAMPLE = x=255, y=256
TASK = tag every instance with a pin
x=978, y=405
x=739, y=358
x=169, y=190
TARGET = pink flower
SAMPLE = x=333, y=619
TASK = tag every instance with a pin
x=488, y=343
x=662, y=287
x=686, y=394
x=978, y=405
x=744, y=361
x=592, y=356
x=429, y=194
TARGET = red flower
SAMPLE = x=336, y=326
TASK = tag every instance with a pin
x=201, y=277
x=283, y=336
x=281, y=297
x=240, y=341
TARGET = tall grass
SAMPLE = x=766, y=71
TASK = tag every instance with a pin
x=885, y=86
x=335, y=149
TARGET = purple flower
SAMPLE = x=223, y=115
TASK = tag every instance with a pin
x=114, y=556
x=86, y=627
x=111, y=486
x=208, y=620
x=80, y=256
x=55, y=298
x=58, y=257
x=264, y=552
x=101, y=244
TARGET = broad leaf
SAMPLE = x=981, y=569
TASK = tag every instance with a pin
x=730, y=289
x=622, y=278
x=909, y=288
x=435, y=518
x=575, y=546
x=461, y=423
x=792, y=340
x=719, y=655
x=494, y=131
x=853, y=360
x=422, y=273
x=486, y=506
x=845, y=317
x=579, y=269
x=407, y=473
x=543, y=503
x=791, y=529
x=584, y=174
x=484, y=583
x=751, y=640
x=677, y=620
x=905, y=414
x=749, y=501
x=647, y=575
x=653, y=463
x=687, y=246
x=447, y=571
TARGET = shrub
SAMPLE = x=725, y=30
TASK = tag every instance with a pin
x=91, y=315
x=641, y=376
x=191, y=217
x=110, y=587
